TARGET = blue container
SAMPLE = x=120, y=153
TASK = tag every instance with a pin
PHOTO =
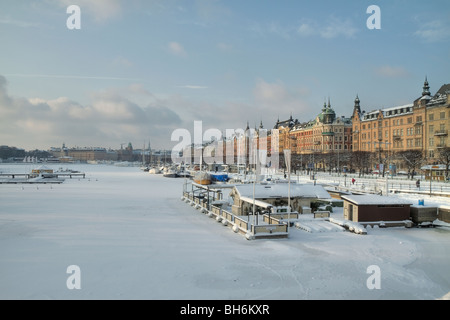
x=421, y=202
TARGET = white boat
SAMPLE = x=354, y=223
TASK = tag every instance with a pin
x=170, y=173
x=154, y=171
x=183, y=174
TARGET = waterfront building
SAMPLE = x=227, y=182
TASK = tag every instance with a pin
x=403, y=137
x=322, y=143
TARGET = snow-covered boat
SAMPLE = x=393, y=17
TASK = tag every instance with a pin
x=170, y=173
x=202, y=177
x=154, y=171
x=219, y=177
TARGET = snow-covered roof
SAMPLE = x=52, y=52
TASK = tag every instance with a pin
x=43, y=167
x=433, y=167
x=281, y=191
x=370, y=199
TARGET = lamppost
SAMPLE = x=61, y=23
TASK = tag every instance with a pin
x=287, y=159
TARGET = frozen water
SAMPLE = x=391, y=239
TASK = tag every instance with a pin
x=133, y=238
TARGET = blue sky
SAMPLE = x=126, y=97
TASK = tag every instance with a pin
x=137, y=70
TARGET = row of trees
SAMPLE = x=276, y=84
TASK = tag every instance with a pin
x=364, y=162
x=7, y=152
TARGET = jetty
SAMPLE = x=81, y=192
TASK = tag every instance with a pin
x=41, y=175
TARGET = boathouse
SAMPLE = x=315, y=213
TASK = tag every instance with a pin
x=373, y=208
x=270, y=196
x=42, y=170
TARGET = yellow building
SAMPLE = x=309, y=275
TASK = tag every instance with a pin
x=420, y=127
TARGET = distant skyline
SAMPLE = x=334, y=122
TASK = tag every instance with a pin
x=137, y=70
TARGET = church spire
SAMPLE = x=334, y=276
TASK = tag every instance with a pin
x=426, y=88
x=357, y=105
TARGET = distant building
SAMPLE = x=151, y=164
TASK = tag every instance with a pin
x=83, y=154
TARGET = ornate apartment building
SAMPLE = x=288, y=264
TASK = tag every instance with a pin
x=421, y=126
x=328, y=142
x=325, y=135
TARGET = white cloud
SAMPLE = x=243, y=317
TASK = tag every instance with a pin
x=193, y=87
x=391, y=71
x=18, y=23
x=328, y=29
x=434, y=31
x=176, y=49
x=108, y=120
x=277, y=97
x=122, y=62
x=225, y=47
x=306, y=30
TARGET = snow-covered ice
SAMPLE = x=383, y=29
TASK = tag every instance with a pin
x=133, y=238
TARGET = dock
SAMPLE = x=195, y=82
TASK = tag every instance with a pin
x=30, y=178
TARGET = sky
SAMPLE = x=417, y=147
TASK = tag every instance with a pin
x=135, y=71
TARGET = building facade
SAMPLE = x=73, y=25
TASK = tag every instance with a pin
x=416, y=130
x=321, y=143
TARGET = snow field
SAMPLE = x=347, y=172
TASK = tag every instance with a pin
x=133, y=238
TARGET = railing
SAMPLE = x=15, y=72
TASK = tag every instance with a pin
x=269, y=228
x=441, y=132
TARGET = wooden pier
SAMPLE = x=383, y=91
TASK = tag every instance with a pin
x=27, y=178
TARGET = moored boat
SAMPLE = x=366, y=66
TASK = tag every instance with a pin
x=203, y=178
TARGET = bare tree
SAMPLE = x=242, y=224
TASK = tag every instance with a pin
x=361, y=161
x=413, y=159
x=444, y=158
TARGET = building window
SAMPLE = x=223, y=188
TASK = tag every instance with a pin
x=410, y=120
x=419, y=119
x=419, y=130
x=418, y=142
x=431, y=129
x=431, y=142
x=431, y=116
x=443, y=115
x=431, y=154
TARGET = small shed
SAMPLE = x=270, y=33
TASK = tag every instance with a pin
x=368, y=208
x=435, y=172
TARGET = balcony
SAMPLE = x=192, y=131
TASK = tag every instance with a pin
x=328, y=133
x=441, y=145
x=397, y=137
x=441, y=132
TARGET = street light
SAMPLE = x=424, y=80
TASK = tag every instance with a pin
x=287, y=159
